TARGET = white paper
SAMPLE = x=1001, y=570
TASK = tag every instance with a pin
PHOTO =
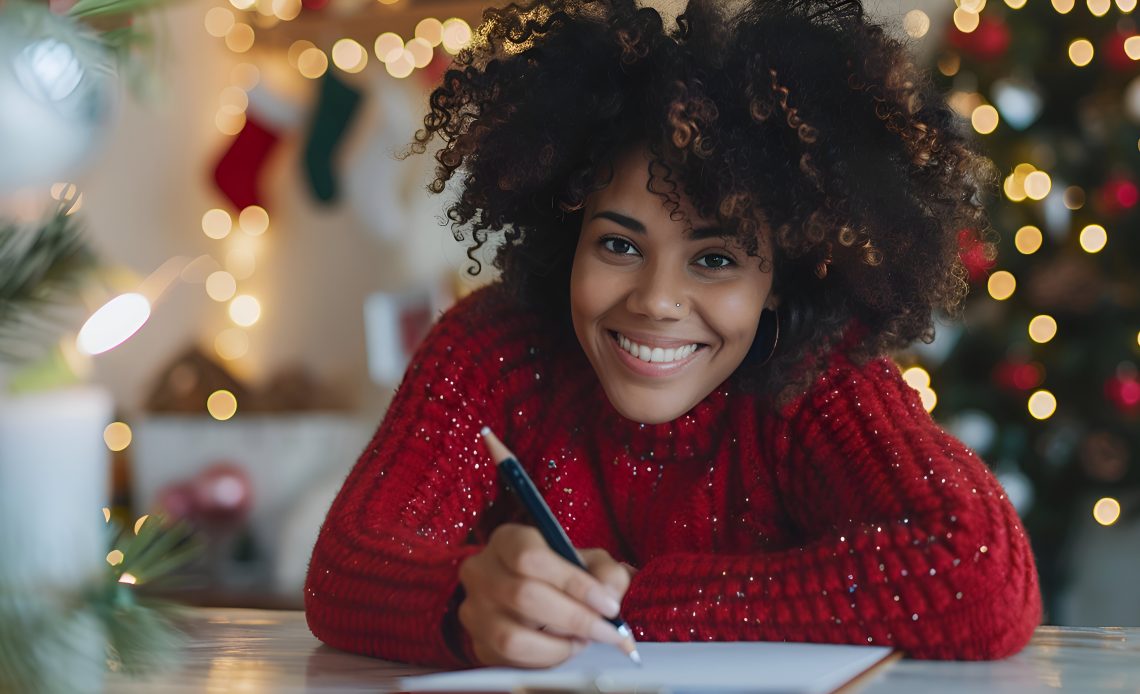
x=678, y=667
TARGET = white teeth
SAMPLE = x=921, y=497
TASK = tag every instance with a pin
x=655, y=354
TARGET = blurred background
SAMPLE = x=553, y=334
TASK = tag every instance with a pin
x=213, y=270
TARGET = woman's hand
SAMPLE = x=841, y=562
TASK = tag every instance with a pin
x=525, y=606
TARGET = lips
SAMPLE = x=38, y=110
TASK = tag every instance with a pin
x=654, y=356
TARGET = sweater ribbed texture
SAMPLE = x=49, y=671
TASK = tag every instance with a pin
x=848, y=516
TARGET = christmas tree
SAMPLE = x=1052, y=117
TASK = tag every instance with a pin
x=1042, y=377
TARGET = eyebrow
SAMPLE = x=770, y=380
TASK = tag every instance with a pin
x=695, y=234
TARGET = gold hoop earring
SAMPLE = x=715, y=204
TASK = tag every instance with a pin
x=767, y=336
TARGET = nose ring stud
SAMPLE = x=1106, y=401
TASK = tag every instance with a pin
x=678, y=305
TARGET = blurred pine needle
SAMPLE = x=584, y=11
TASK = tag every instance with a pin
x=40, y=269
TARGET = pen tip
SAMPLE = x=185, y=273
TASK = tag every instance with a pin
x=635, y=657
x=484, y=431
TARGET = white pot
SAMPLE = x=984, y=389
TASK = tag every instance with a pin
x=54, y=483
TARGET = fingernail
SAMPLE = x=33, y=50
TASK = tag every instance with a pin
x=604, y=632
x=601, y=600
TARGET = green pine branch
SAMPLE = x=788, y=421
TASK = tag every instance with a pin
x=40, y=270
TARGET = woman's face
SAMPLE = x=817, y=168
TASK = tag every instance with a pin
x=688, y=304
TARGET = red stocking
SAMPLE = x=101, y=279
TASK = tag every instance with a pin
x=239, y=168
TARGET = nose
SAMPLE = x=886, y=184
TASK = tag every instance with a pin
x=658, y=294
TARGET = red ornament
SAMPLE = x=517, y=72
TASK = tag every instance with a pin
x=988, y=41
x=1112, y=50
x=973, y=252
x=222, y=493
x=1019, y=376
x=1119, y=194
x=1123, y=391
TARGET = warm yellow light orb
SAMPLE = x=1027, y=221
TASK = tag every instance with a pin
x=219, y=20
x=949, y=64
x=229, y=120
x=1001, y=285
x=975, y=6
x=1028, y=240
x=965, y=21
x=1037, y=185
x=1126, y=6
x=1064, y=6
x=139, y=523
x=1015, y=4
x=1042, y=404
x=115, y=557
x=916, y=23
x=1014, y=187
x=1081, y=52
x=350, y=56
x=235, y=97
x=456, y=35
x=985, y=119
x=929, y=399
x=312, y=63
x=1099, y=8
x=117, y=436
x=401, y=66
x=1106, y=511
x=245, y=310
x=231, y=343
x=1132, y=47
x=1093, y=238
x=430, y=30
x=296, y=49
x=128, y=578
x=1074, y=197
x=388, y=46
x=217, y=223
x=286, y=10
x=254, y=220
x=917, y=377
x=221, y=405
x=1042, y=328
x=243, y=4
x=421, y=52
x=240, y=38
x=221, y=286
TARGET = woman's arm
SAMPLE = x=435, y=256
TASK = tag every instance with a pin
x=909, y=540
x=384, y=571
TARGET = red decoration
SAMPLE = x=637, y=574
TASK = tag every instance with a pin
x=973, y=251
x=1119, y=194
x=1112, y=50
x=988, y=42
x=1019, y=376
x=222, y=493
x=237, y=171
x=1123, y=391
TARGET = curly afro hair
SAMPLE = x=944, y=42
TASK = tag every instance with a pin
x=798, y=120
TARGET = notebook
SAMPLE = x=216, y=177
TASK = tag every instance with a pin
x=678, y=668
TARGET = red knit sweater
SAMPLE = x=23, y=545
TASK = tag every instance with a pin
x=848, y=516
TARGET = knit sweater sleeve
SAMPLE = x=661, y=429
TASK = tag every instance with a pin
x=384, y=572
x=907, y=538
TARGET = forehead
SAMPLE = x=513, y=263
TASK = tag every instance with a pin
x=628, y=191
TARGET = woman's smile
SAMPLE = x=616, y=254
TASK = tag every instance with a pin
x=654, y=357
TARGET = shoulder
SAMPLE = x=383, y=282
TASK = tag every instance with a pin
x=848, y=381
x=495, y=330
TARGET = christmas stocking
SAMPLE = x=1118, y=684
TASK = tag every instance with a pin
x=335, y=110
x=237, y=172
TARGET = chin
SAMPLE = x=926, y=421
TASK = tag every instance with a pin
x=648, y=410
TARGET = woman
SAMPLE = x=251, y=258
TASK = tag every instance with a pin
x=710, y=236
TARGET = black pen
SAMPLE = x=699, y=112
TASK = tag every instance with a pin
x=520, y=483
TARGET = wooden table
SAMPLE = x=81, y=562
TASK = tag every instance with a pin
x=264, y=651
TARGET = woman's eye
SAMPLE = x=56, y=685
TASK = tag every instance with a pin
x=618, y=246
x=714, y=261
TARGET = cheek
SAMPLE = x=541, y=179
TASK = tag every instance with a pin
x=738, y=314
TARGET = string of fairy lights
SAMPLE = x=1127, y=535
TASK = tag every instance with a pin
x=238, y=25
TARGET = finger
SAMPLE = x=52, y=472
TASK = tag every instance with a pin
x=500, y=640
x=524, y=552
x=532, y=601
x=607, y=570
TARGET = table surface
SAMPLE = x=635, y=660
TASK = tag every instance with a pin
x=255, y=651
